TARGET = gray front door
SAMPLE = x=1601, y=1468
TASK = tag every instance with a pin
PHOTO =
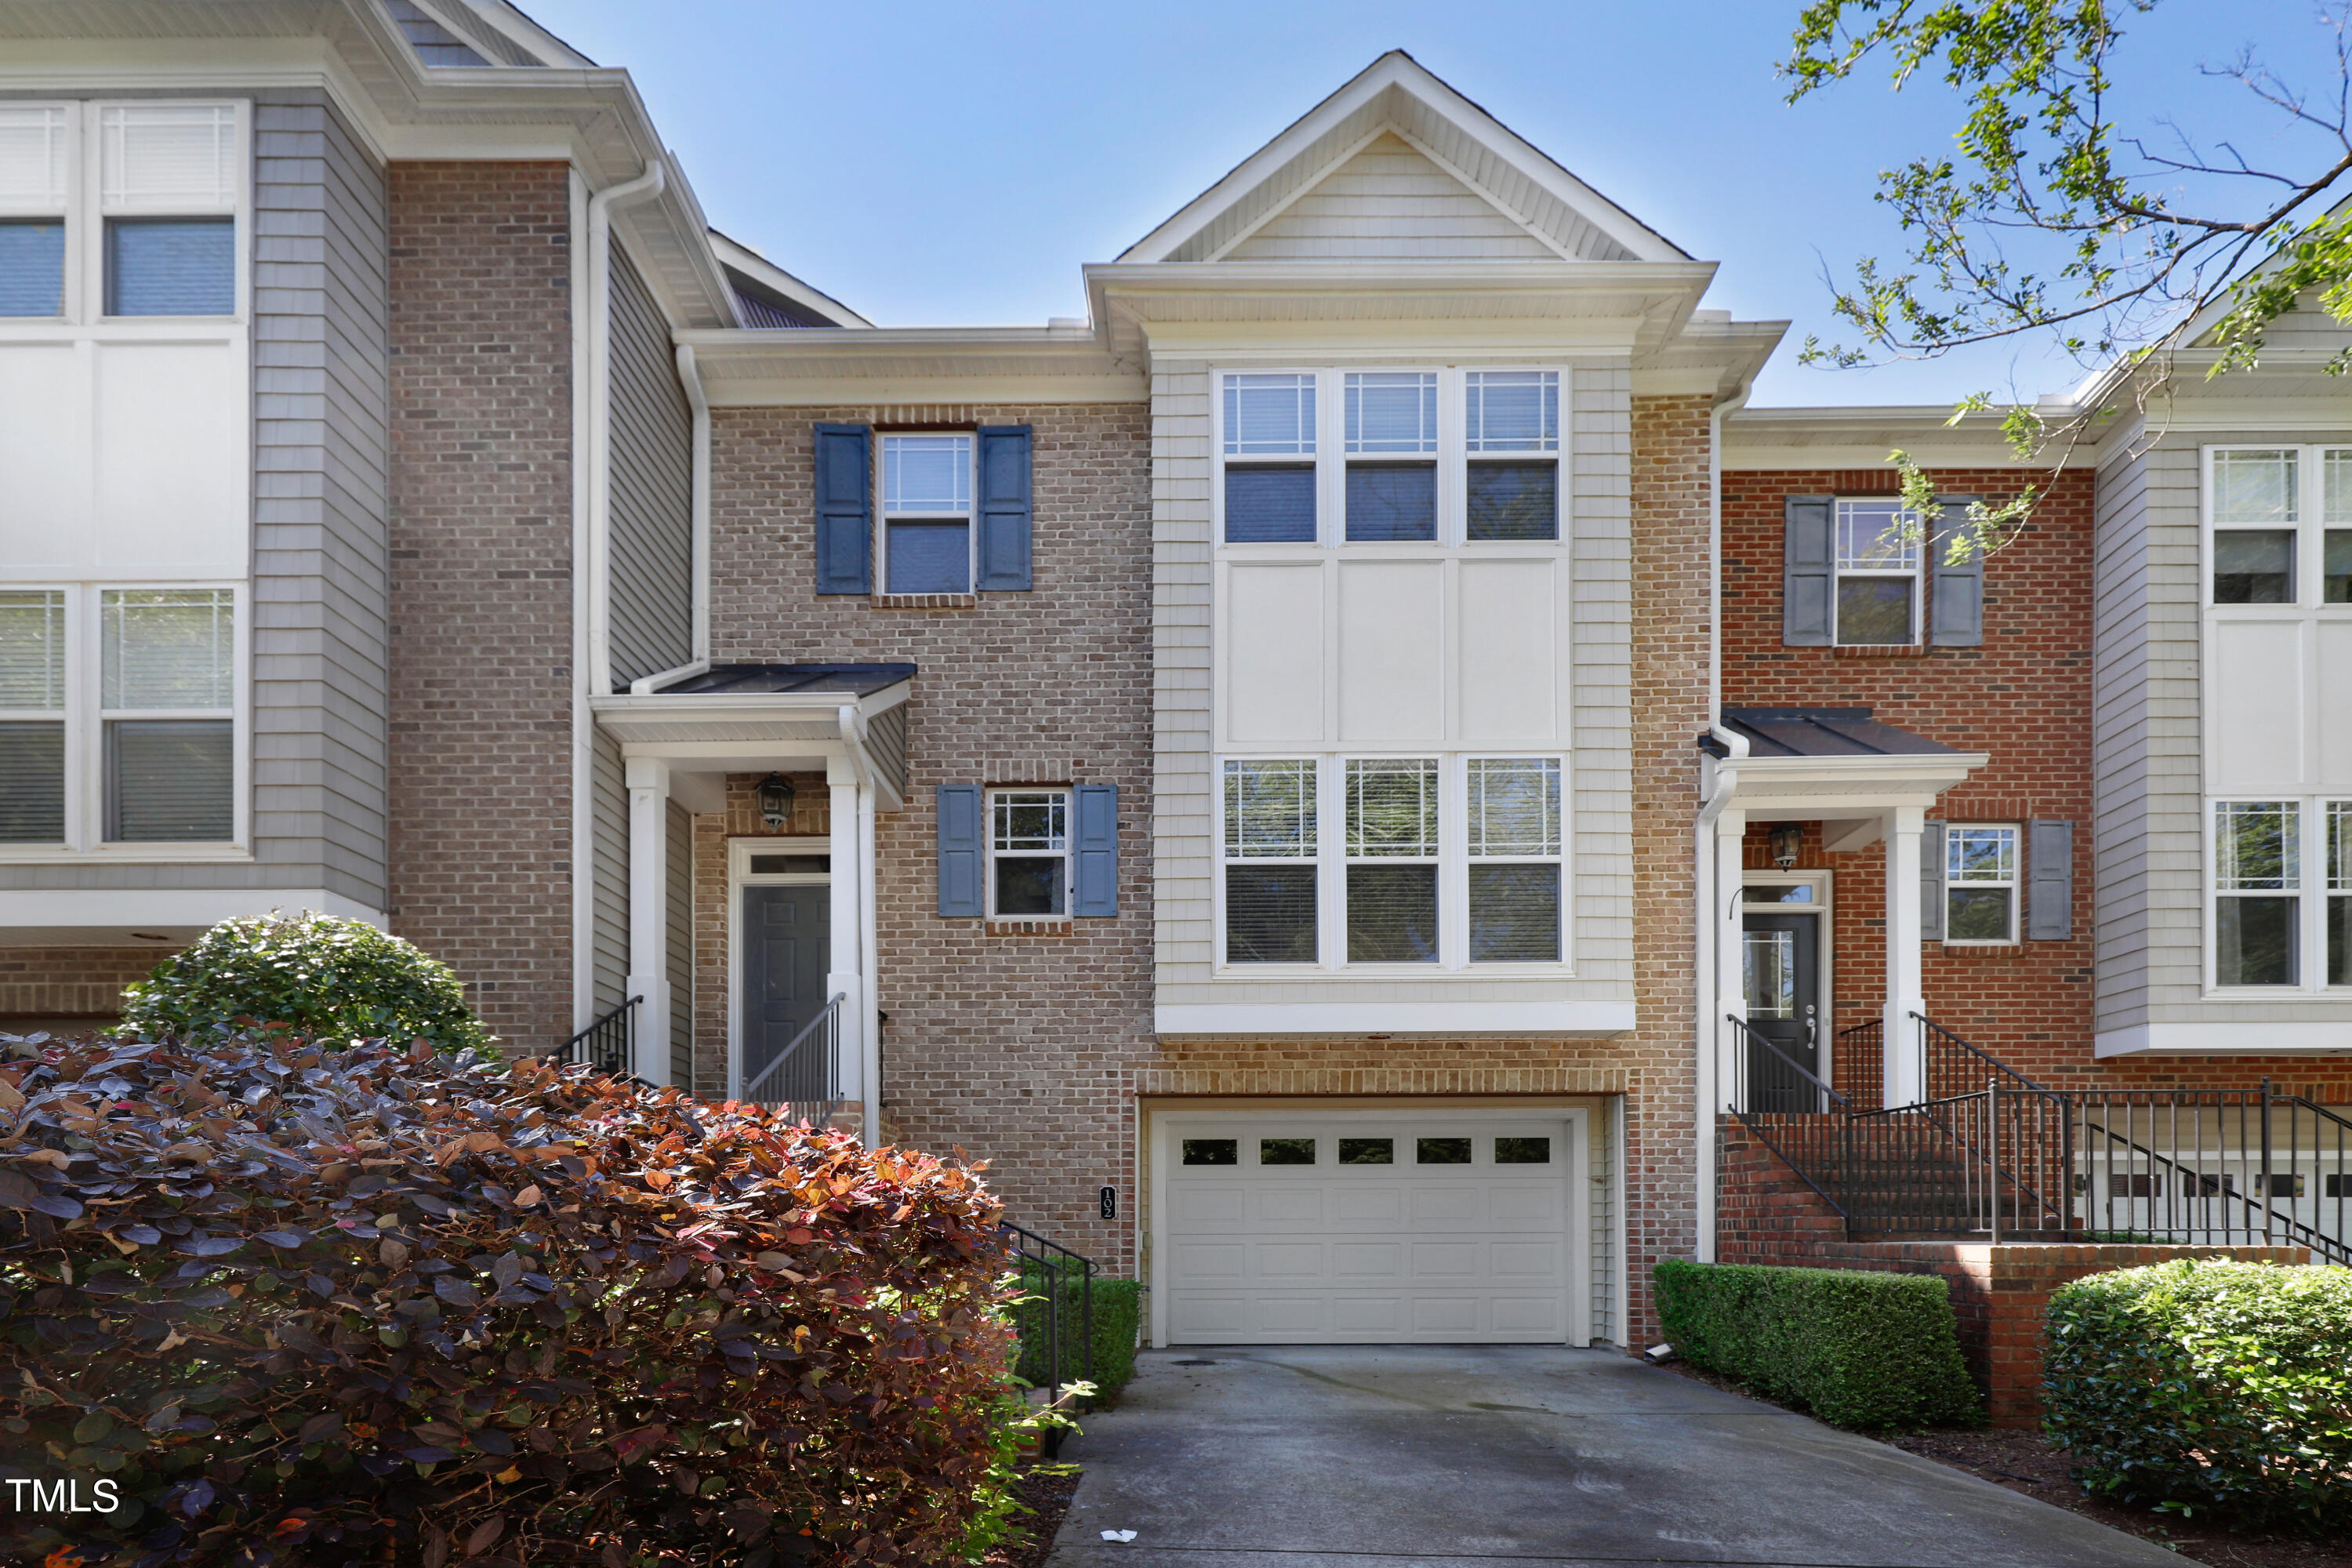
x=787, y=952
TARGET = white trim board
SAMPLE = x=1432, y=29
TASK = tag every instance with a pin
x=146, y=908
x=1464, y=1017
x=2299, y=1038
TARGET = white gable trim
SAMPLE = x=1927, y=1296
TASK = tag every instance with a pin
x=1399, y=71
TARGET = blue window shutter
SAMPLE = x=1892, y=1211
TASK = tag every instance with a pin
x=2050, y=872
x=959, y=856
x=1931, y=881
x=1956, y=604
x=1097, y=850
x=845, y=509
x=1806, y=574
x=1005, y=508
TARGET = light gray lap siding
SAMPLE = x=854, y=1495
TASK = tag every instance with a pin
x=319, y=541
x=653, y=488
x=609, y=812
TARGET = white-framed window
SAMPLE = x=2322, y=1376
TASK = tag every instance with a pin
x=2339, y=892
x=1513, y=816
x=2279, y=525
x=1270, y=860
x=2257, y=923
x=1268, y=448
x=121, y=210
x=1449, y=862
x=1383, y=456
x=1028, y=853
x=1510, y=440
x=1876, y=599
x=122, y=719
x=1981, y=890
x=1390, y=433
x=926, y=513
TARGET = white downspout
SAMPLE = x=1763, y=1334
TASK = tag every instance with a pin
x=1708, y=1096
x=600, y=415
x=689, y=376
x=592, y=417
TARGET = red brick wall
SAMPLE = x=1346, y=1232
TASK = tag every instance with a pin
x=2024, y=698
x=480, y=781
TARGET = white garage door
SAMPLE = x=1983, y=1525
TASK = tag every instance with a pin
x=1279, y=1229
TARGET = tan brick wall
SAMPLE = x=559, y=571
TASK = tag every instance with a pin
x=482, y=583
x=39, y=983
x=1670, y=476
x=1019, y=1048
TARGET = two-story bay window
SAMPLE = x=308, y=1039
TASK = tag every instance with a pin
x=1514, y=820
x=1511, y=437
x=2257, y=878
x=1392, y=452
x=1269, y=453
x=1877, y=566
x=117, y=716
x=1393, y=855
x=1270, y=861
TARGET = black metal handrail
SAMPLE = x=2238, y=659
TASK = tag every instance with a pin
x=1046, y=1358
x=1826, y=1095
x=610, y=1044
x=1955, y=1067
x=1862, y=1062
x=817, y=1076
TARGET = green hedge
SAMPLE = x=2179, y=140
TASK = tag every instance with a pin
x=1117, y=1305
x=2207, y=1385
x=1856, y=1349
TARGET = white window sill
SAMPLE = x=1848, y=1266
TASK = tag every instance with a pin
x=1389, y=974
x=113, y=854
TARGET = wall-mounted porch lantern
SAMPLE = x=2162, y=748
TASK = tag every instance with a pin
x=775, y=797
x=1788, y=838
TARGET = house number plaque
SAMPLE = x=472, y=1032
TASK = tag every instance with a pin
x=1110, y=1203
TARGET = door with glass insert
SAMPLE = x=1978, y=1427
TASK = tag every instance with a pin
x=1783, y=983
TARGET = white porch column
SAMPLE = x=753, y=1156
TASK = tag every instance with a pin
x=648, y=782
x=1905, y=1080
x=844, y=972
x=1730, y=958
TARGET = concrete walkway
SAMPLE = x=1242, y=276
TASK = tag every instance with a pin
x=1427, y=1456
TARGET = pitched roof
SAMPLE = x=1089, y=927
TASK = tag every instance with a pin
x=1824, y=733
x=1396, y=129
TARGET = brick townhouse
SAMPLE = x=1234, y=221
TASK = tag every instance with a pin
x=1297, y=768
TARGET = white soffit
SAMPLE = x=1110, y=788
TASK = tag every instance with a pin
x=1396, y=95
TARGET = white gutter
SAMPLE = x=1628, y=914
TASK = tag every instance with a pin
x=1708, y=1096
x=689, y=376
x=591, y=417
x=869, y=1034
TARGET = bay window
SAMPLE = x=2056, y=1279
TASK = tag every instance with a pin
x=117, y=716
x=1447, y=862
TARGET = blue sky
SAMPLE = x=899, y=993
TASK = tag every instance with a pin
x=934, y=163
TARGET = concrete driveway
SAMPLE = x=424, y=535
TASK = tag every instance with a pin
x=1413, y=1456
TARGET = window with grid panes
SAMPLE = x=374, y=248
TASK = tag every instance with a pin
x=1393, y=859
x=1877, y=595
x=1511, y=436
x=1513, y=821
x=1390, y=421
x=1269, y=459
x=1270, y=861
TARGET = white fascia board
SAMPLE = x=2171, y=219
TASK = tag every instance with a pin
x=1832, y=786
x=2313, y=1037
x=816, y=366
x=1395, y=1018
x=751, y=264
x=1399, y=71
x=163, y=909
x=836, y=392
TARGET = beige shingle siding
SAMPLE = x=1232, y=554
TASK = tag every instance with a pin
x=653, y=488
x=1389, y=202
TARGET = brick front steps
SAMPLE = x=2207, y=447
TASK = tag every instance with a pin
x=1767, y=1214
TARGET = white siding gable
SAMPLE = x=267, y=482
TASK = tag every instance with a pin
x=1389, y=203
